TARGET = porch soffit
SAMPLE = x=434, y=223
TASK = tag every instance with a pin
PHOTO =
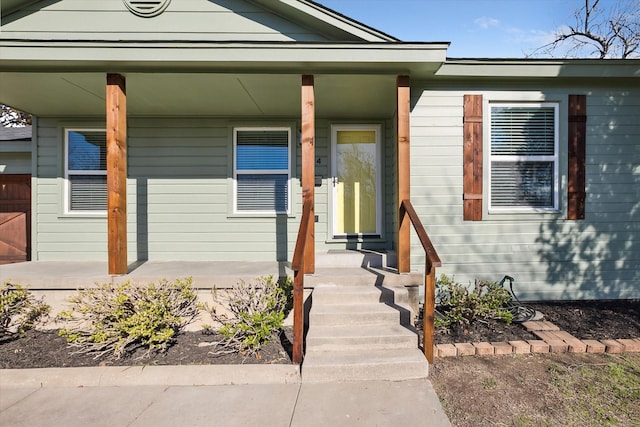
x=224, y=95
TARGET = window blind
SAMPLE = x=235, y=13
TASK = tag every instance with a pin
x=522, y=184
x=262, y=150
x=523, y=157
x=87, y=150
x=528, y=131
x=262, y=170
x=87, y=170
x=88, y=192
x=262, y=192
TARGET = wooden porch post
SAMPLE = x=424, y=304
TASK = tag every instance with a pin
x=117, y=173
x=403, y=139
x=308, y=166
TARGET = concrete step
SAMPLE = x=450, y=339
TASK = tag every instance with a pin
x=352, y=314
x=355, y=258
x=384, y=365
x=343, y=276
x=395, y=297
x=337, y=294
x=358, y=276
x=365, y=338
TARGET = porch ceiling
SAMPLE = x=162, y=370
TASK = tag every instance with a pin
x=200, y=94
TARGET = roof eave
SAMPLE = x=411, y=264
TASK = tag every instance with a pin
x=372, y=58
x=540, y=68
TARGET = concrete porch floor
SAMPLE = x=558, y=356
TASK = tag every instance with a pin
x=70, y=275
x=354, y=267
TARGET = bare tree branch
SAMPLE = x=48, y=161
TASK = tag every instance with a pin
x=12, y=118
x=598, y=32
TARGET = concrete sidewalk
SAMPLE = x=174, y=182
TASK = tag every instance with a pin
x=247, y=395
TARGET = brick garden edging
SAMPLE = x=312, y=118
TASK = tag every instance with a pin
x=551, y=340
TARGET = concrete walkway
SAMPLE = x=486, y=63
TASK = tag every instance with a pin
x=247, y=395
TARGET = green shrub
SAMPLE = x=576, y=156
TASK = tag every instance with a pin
x=458, y=305
x=19, y=310
x=256, y=312
x=117, y=319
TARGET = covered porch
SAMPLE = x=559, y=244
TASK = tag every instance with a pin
x=157, y=134
x=346, y=85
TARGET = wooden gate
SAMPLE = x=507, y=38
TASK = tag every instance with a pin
x=15, y=218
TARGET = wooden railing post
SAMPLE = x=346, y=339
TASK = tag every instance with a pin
x=432, y=260
x=298, y=315
x=429, y=310
x=298, y=267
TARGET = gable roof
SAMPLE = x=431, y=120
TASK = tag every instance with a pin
x=15, y=134
x=297, y=20
x=202, y=35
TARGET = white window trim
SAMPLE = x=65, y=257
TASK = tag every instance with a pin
x=260, y=172
x=555, y=158
x=67, y=182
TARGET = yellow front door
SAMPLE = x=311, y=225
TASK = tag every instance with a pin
x=356, y=180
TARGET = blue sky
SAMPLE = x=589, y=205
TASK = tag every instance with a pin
x=475, y=28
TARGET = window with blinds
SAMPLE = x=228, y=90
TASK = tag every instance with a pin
x=523, y=156
x=261, y=171
x=86, y=170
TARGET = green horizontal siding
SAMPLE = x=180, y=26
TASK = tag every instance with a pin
x=178, y=198
x=550, y=257
x=15, y=163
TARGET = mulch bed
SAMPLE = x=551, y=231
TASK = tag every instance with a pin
x=584, y=320
x=44, y=349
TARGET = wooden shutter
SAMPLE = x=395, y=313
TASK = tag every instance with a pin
x=576, y=193
x=472, y=178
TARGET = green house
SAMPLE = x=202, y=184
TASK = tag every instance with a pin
x=187, y=130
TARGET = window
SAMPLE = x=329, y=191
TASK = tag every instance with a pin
x=86, y=170
x=523, y=172
x=261, y=170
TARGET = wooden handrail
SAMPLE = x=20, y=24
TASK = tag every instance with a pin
x=432, y=260
x=432, y=255
x=297, y=264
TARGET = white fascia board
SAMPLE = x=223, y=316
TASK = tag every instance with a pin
x=536, y=68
